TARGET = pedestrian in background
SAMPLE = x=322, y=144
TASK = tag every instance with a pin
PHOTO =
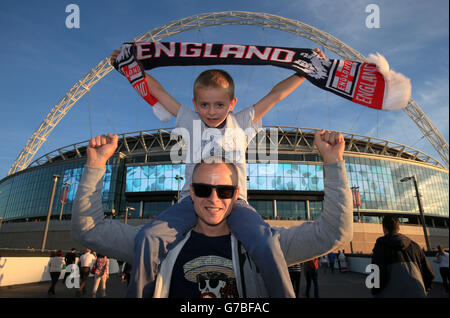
x=101, y=274
x=442, y=260
x=295, y=272
x=331, y=260
x=69, y=258
x=86, y=262
x=338, y=260
x=323, y=264
x=126, y=272
x=403, y=267
x=55, y=265
x=343, y=266
x=311, y=274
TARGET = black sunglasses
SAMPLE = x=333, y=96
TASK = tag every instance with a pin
x=204, y=190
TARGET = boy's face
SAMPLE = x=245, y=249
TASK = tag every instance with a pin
x=213, y=105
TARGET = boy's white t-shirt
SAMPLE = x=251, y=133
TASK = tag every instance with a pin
x=229, y=141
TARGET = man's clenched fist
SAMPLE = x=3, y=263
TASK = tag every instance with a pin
x=100, y=149
x=330, y=145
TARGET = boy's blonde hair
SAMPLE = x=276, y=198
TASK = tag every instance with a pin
x=215, y=78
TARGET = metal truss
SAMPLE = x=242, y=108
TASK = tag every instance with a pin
x=263, y=20
x=296, y=140
x=429, y=130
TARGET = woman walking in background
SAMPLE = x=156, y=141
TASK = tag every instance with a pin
x=101, y=274
x=55, y=266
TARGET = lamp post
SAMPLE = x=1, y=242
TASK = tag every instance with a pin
x=126, y=213
x=1, y=219
x=178, y=178
x=55, y=180
x=356, y=200
x=248, y=185
x=419, y=202
x=63, y=197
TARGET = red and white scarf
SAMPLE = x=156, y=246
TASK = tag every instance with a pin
x=370, y=83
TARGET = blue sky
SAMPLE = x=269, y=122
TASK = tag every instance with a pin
x=41, y=59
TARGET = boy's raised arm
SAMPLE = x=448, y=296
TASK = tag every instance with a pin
x=279, y=92
x=167, y=100
x=156, y=90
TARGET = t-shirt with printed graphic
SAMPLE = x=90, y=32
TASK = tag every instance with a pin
x=204, y=269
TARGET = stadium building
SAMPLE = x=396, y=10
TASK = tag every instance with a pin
x=141, y=179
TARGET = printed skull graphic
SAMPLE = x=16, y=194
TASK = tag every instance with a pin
x=210, y=284
x=213, y=275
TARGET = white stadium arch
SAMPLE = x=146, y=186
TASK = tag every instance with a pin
x=264, y=20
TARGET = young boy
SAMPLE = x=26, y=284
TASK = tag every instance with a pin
x=213, y=102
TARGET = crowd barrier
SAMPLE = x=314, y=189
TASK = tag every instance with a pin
x=27, y=270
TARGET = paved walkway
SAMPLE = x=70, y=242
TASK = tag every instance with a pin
x=336, y=285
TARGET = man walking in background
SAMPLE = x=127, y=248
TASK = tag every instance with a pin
x=86, y=262
x=404, y=268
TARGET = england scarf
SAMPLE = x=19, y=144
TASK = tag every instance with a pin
x=370, y=83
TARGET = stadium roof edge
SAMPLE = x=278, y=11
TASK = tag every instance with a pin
x=292, y=139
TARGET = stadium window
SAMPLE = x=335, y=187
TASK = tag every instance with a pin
x=315, y=209
x=264, y=208
x=291, y=210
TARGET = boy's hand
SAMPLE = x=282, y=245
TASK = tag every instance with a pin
x=100, y=149
x=319, y=51
x=113, y=57
x=330, y=145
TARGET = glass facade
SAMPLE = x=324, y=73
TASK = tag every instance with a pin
x=264, y=208
x=378, y=181
x=315, y=208
x=27, y=194
x=291, y=210
x=154, y=208
x=73, y=177
x=285, y=176
x=154, y=178
x=380, y=187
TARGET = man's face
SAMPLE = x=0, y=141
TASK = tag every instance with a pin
x=213, y=211
x=213, y=105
